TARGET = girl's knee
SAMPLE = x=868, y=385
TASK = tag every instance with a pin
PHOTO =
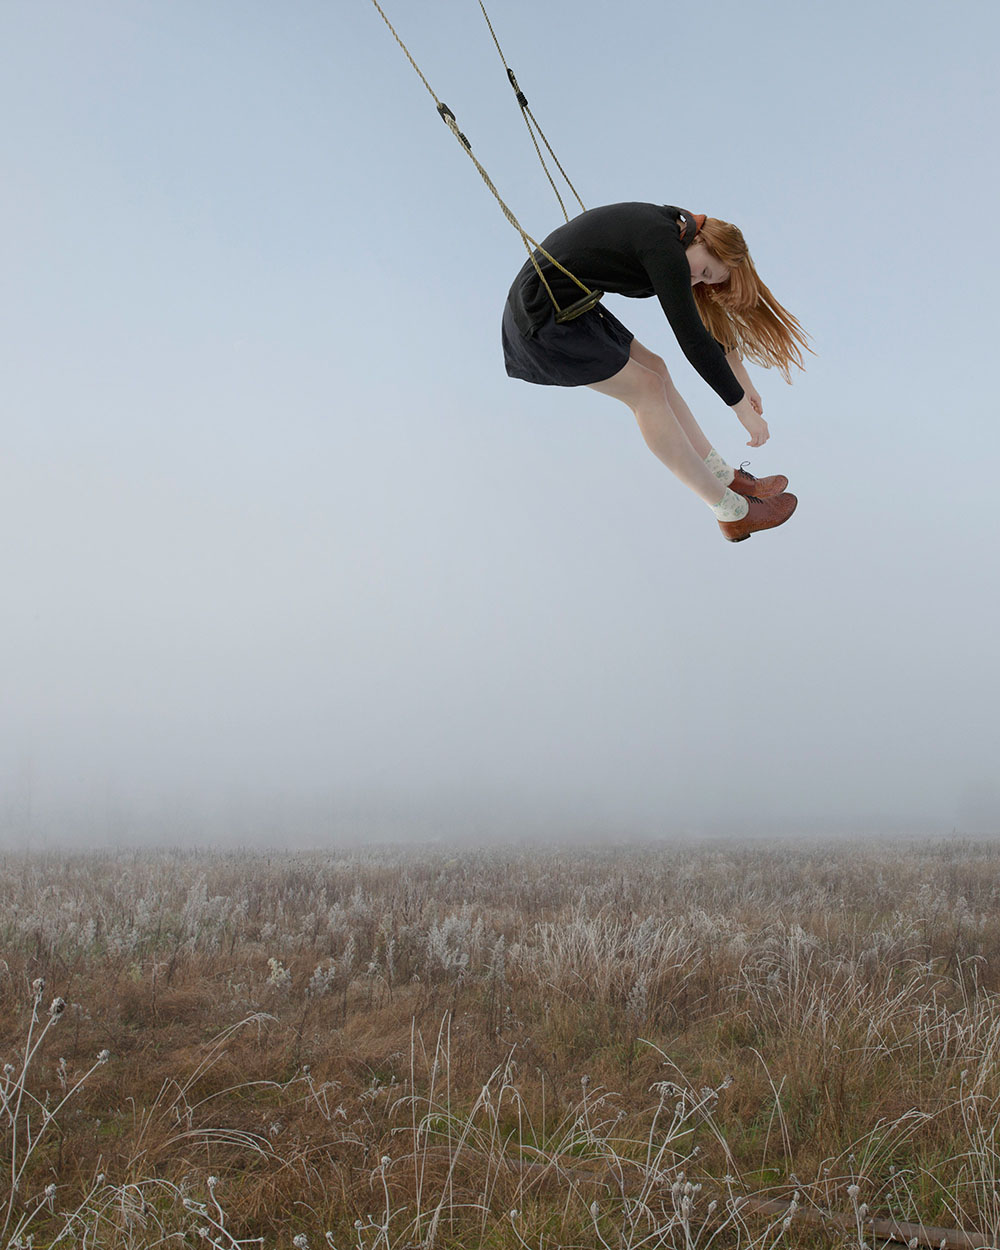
x=649, y=360
x=651, y=388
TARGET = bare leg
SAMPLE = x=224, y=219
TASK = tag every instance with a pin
x=680, y=409
x=644, y=391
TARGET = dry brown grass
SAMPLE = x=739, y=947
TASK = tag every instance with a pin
x=512, y=1030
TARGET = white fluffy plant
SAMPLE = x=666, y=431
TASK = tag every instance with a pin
x=26, y=1119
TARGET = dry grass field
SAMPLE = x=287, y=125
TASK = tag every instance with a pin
x=517, y=1048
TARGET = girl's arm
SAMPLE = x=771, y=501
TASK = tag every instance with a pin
x=668, y=271
x=735, y=361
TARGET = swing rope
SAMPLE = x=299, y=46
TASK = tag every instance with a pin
x=590, y=298
x=532, y=124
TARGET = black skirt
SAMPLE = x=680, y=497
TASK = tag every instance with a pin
x=591, y=348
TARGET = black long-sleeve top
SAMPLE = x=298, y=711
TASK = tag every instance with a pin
x=628, y=249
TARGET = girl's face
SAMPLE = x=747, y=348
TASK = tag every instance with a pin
x=704, y=266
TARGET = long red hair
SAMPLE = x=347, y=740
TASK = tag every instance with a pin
x=741, y=312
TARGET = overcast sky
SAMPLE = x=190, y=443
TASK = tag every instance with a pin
x=286, y=555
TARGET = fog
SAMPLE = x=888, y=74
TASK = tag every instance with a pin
x=288, y=559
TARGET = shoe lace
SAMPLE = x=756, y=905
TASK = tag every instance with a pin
x=743, y=470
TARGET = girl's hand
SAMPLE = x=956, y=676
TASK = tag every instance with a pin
x=752, y=421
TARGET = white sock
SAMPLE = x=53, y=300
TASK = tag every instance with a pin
x=731, y=507
x=724, y=472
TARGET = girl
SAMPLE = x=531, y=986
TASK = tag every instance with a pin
x=719, y=310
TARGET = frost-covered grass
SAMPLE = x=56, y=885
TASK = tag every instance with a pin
x=503, y=1047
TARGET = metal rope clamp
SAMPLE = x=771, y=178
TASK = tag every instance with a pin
x=449, y=119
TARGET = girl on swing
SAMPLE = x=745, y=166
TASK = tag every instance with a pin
x=719, y=311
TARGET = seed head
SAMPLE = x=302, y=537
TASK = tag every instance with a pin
x=103, y=1056
x=57, y=1008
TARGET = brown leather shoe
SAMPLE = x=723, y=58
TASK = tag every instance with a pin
x=763, y=514
x=746, y=484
